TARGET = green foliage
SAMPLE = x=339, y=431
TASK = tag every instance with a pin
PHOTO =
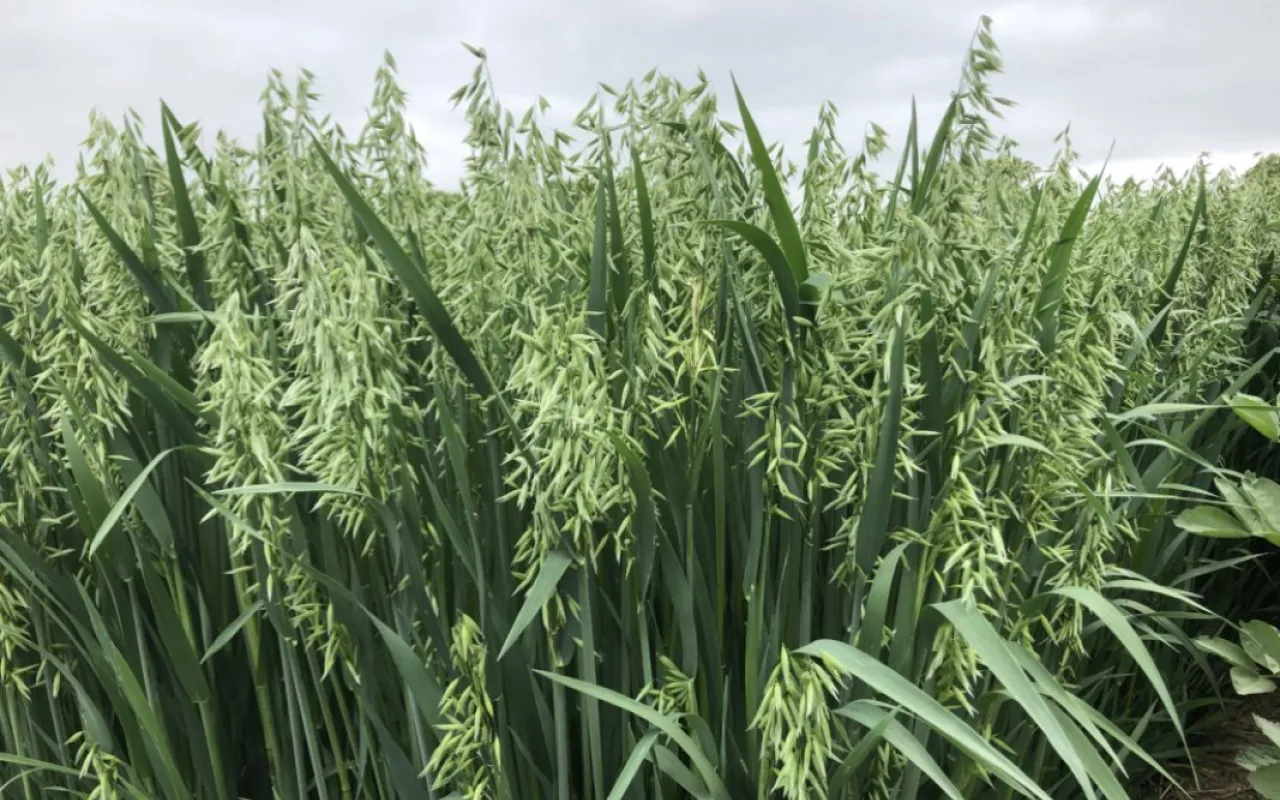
x=616, y=473
x=1253, y=505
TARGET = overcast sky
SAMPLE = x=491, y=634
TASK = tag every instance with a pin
x=1162, y=79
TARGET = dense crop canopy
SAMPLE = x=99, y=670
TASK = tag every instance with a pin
x=647, y=464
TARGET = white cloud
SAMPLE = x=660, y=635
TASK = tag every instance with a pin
x=1041, y=20
x=1143, y=167
x=910, y=71
x=1158, y=77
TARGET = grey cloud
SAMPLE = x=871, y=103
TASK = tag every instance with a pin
x=1163, y=79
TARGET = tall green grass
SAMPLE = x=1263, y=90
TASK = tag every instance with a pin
x=616, y=473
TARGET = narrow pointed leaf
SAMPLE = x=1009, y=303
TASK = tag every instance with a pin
x=779, y=208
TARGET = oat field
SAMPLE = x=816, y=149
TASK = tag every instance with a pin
x=653, y=463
